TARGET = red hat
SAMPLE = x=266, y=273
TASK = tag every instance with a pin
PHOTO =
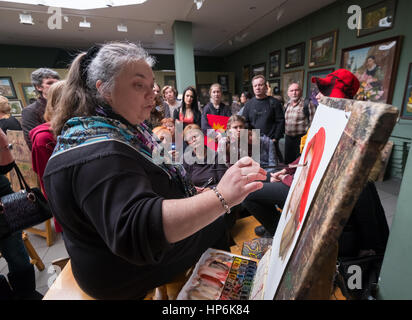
x=338, y=84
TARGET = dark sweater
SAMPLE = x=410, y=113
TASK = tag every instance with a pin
x=108, y=199
x=223, y=110
x=10, y=123
x=267, y=115
x=32, y=116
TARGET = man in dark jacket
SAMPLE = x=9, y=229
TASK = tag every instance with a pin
x=32, y=115
x=265, y=113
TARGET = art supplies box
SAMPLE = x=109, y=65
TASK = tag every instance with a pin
x=221, y=275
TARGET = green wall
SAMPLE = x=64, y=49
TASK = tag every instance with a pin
x=333, y=17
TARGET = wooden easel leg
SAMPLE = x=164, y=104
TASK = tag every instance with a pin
x=322, y=288
x=32, y=253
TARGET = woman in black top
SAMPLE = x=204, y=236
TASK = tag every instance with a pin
x=21, y=282
x=7, y=121
x=130, y=221
x=215, y=106
x=188, y=112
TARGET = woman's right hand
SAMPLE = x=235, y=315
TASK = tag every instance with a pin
x=241, y=179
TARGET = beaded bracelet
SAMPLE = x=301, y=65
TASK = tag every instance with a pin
x=222, y=200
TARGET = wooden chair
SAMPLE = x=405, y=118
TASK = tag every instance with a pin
x=22, y=157
x=34, y=257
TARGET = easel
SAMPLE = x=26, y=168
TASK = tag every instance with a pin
x=309, y=274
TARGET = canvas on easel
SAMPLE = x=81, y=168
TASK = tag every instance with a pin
x=311, y=267
x=336, y=179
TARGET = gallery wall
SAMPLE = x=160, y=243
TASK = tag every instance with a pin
x=335, y=17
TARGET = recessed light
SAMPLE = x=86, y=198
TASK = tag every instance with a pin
x=26, y=18
x=85, y=24
x=122, y=28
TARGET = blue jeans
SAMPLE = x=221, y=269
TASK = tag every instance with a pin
x=13, y=250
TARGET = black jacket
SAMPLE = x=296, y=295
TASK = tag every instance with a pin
x=32, y=116
x=108, y=199
x=267, y=115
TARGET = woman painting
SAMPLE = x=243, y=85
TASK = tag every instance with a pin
x=129, y=223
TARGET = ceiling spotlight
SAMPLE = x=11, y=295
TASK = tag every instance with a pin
x=158, y=31
x=198, y=3
x=26, y=18
x=85, y=24
x=122, y=28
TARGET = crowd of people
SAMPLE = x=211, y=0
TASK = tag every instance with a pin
x=129, y=221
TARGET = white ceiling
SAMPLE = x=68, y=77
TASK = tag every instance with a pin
x=220, y=27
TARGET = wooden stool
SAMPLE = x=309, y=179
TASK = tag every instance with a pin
x=47, y=233
x=35, y=259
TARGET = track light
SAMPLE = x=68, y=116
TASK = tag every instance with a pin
x=198, y=3
x=121, y=28
x=85, y=24
x=26, y=18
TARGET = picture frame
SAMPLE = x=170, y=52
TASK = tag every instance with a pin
x=276, y=87
x=170, y=80
x=295, y=55
x=259, y=69
x=223, y=80
x=274, y=64
x=310, y=87
x=7, y=88
x=203, y=93
x=406, y=110
x=290, y=77
x=16, y=107
x=246, y=74
x=377, y=17
x=322, y=49
x=375, y=64
x=27, y=92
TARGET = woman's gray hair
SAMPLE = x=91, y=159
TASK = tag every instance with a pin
x=109, y=61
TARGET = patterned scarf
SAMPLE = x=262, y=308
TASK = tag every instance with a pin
x=80, y=131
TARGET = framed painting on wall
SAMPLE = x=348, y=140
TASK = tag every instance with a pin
x=170, y=80
x=203, y=93
x=274, y=64
x=28, y=92
x=223, y=80
x=16, y=107
x=259, y=69
x=310, y=87
x=295, y=56
x=378, y=17
x=275, y=85
x=322, y=49
x=375, y=65
x=7, y=88
x=406, y=112
x=246, y=74
x=291, y=77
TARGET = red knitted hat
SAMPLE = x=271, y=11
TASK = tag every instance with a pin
x=338, y=84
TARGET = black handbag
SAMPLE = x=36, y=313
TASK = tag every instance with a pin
x=23, y=209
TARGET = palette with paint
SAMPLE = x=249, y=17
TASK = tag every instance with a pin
x=220, y=275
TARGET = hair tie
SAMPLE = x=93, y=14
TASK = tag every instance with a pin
x=86, y=60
